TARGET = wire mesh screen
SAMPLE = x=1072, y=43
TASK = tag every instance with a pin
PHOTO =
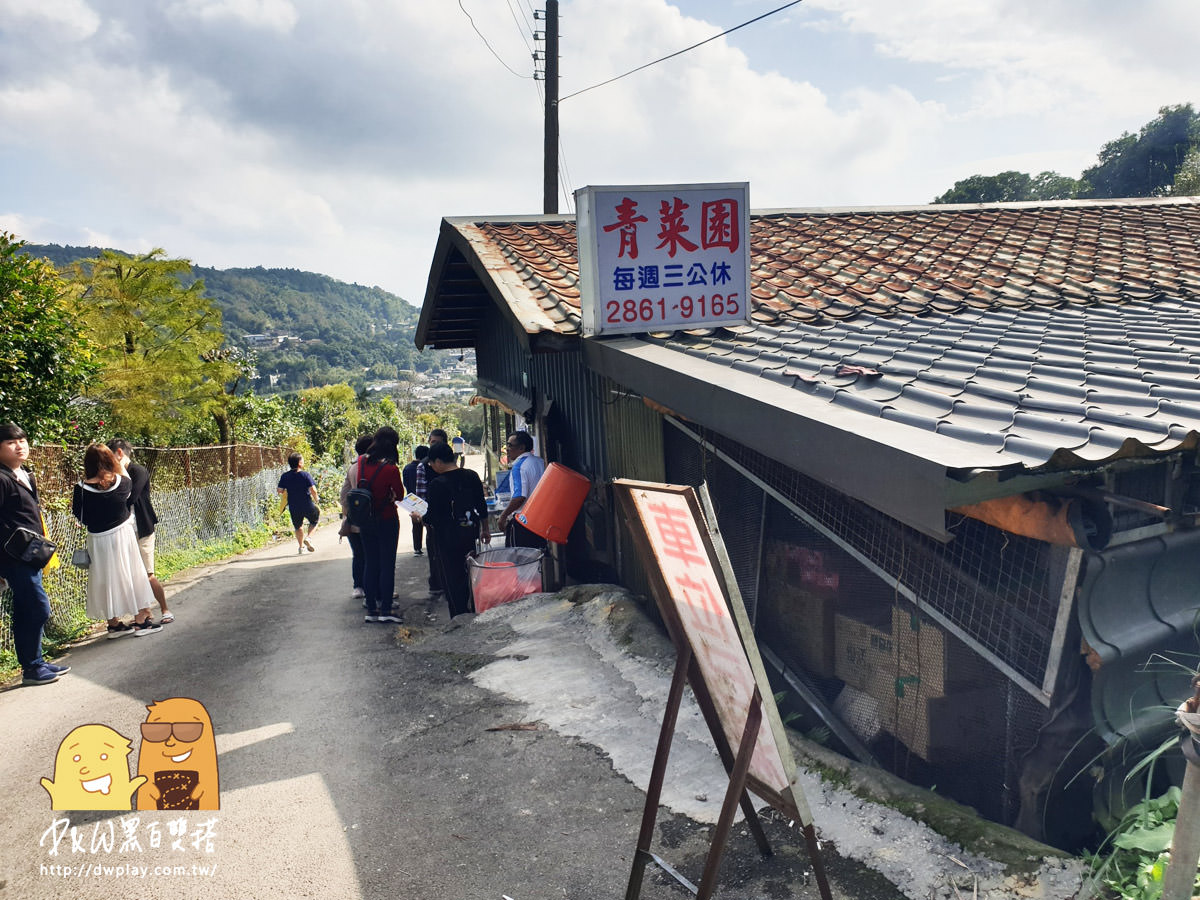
x=974, y=725
x=738, y=504
x=201, y=494
x=999, y=588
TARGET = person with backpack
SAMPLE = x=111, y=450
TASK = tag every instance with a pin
x=456, y=519
x=371, y=507
x=350, y=531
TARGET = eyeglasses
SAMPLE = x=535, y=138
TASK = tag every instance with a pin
x=157, y=732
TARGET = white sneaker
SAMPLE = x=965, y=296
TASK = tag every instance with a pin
x=358, y=594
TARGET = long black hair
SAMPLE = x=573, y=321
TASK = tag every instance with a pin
x=384, y=446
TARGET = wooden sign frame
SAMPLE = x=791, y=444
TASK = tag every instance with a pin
x=684, y=559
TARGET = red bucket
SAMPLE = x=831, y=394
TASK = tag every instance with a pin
x=551, y=510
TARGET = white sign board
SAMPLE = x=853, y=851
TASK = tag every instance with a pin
x=663, y=257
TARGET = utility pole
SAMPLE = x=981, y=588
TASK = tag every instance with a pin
x=550, y=132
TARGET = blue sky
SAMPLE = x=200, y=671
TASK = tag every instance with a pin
x=333, y=137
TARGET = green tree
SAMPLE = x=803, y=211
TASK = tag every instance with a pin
x=1011, y=187
x=1187, y=179
x=45, y=357
x=1144, y=165
x=331, y=417
x=159, y=342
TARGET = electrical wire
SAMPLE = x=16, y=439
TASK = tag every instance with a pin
x=489, y=46
x=678, y=52
x=521, y=28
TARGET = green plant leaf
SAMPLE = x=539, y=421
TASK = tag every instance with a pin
x=1148, y=840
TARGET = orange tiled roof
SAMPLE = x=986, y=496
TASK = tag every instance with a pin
x=822, y=266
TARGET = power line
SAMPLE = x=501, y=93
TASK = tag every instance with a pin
x=512, y=12
x=489, y=46
x=679, y=52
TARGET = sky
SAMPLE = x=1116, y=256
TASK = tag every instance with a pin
x=334, y=136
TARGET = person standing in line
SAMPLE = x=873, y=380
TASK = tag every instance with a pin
x=117, y=585
x=457, y=518
x=425, y=476
x=19, y=508
x=300, y=491
x=351, y=532
x=527, y=470
x=377, y=467
x=415, y=484
x=144, y=518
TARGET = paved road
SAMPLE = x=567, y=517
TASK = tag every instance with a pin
x=355, y=759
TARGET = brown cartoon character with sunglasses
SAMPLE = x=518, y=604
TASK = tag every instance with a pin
x=178, y=756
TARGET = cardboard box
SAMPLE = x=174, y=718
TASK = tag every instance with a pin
x=950, y=728
x=799, y=626
x=865, y=656
x=944, y=663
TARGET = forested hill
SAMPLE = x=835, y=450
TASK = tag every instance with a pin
x=314, y=329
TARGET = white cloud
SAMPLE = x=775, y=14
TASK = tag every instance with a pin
x=273, y=15
x=334, y=137
x=1033, y=57
x=71, y=19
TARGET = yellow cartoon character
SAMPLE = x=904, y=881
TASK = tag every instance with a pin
x=91, y=771
x=178, y=756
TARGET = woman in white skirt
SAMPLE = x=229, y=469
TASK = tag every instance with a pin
x=118, y=585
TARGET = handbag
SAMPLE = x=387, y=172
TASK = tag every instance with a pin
x=81, y=558
x=30, y=547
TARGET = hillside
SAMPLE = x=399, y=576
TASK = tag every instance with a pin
x=307, y=329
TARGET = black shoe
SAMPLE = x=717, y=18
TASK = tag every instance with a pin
x=119, y=630
x=418, y=552
x=58, y=670
x=143, y=628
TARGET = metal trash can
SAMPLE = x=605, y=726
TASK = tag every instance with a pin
x=503, y=575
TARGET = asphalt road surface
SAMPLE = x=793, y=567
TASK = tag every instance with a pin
x=355, y=760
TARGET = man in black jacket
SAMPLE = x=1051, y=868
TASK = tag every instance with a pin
x=19, y=509
x=457, y=517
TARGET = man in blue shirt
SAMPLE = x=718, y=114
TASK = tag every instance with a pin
x=302, y=501
x=526, y=472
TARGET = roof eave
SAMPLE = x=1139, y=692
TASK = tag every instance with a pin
x=895, y=469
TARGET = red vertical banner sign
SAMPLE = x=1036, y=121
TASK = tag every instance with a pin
x=678, y=554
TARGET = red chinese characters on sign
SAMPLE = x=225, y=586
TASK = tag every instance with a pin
x=719, y=226
x=721, y=220
x=708, y=623
x=626, y=225
x=673, y=227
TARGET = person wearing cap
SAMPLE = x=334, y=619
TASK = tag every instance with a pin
x=19, y=508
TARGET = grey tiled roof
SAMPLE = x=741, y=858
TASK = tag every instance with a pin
x=1075, y=384
x=1030, y=334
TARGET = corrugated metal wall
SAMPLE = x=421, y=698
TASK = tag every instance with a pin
x=569, y=397
x=499, y=356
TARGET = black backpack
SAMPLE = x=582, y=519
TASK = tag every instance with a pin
x=462, y=506
x=360, y=503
